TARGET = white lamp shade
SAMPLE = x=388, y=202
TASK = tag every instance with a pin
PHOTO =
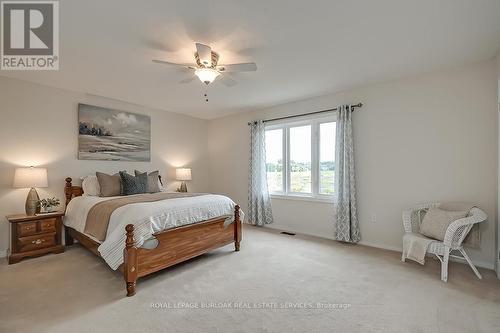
x=183, y=174
x=206, y=75
x=30, y=177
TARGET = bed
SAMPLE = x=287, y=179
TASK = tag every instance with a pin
x=141, y=246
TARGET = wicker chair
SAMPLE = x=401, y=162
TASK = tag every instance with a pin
x=453, y=239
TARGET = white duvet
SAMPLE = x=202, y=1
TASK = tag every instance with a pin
x=148, y=218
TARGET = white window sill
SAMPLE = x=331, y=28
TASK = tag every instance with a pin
x=302, y=198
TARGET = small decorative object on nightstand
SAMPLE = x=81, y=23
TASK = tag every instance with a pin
x=32, y=236
x=183, y=174
x=49, y=205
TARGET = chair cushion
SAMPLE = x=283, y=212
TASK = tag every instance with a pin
x=436, y=221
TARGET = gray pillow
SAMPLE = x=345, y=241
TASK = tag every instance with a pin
x=436, y=221
x=134, y=185
x=153, y=186
x=110, y=185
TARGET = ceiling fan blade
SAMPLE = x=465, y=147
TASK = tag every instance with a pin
x=246, y=67
x=174, y=64
x=227, y=81
x=188, y=79
x=204, y=53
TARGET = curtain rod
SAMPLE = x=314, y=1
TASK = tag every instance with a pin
x=310, y=113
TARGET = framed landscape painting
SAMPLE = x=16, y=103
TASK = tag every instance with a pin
x=113, y=135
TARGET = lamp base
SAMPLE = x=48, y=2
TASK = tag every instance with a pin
x=183, y=187
x=32, y=207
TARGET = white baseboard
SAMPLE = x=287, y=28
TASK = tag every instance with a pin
x=481, y=264
x=380, y=246
x=279, y=227
x=477, y=263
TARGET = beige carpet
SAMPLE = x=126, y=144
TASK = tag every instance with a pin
x=376, y=292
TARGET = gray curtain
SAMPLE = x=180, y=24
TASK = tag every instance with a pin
x=347, y=227
x=259, y=202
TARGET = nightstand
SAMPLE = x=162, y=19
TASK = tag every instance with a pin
x=32, y=236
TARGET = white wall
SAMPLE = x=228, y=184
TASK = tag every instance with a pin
x=39, y=127
x=498, y=208
x=432, y=137
x=498, y=64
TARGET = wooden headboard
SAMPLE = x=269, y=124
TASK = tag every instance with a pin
x=75, y=191
x=71, y=191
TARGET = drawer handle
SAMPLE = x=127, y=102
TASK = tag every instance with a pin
x=48, y=225
x=38, y=241
x=28, y=228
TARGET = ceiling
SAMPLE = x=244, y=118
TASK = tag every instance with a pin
x=302, y=48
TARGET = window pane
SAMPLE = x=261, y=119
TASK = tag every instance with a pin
x=300, y=159
x=274, y=160
x=326, y=157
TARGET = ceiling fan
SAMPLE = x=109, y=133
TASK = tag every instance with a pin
x=207, y=69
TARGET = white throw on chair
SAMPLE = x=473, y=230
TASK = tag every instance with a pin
x=455, y=234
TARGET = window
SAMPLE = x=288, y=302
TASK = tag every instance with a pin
x=274, y=160
x=326, y=157
x=300, y=158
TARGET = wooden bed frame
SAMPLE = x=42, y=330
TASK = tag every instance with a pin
x=174, y=245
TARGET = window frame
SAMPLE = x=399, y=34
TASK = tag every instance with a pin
x=314, y=122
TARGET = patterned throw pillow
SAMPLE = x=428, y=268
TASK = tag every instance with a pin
x=153, y=181
x=134, y=185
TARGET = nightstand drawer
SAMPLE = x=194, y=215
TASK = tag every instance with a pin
x=48, y=225
x=26, y=229
x=36, y=242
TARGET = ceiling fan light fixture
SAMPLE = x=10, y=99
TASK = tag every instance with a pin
x=206, y=75
x=207, y=67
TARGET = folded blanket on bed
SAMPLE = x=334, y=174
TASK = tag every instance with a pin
x=99, y=215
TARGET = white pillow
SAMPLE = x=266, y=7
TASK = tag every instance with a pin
x=90, y=186
x=160, y=186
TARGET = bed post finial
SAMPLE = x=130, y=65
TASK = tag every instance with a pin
x=130, y=261
x=67, y=190
x=237, y=228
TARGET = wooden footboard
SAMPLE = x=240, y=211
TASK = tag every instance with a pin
x=174, y=245
x=177, y=245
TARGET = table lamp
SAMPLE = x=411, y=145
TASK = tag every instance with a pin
x=30, y=178
x=183, y=174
